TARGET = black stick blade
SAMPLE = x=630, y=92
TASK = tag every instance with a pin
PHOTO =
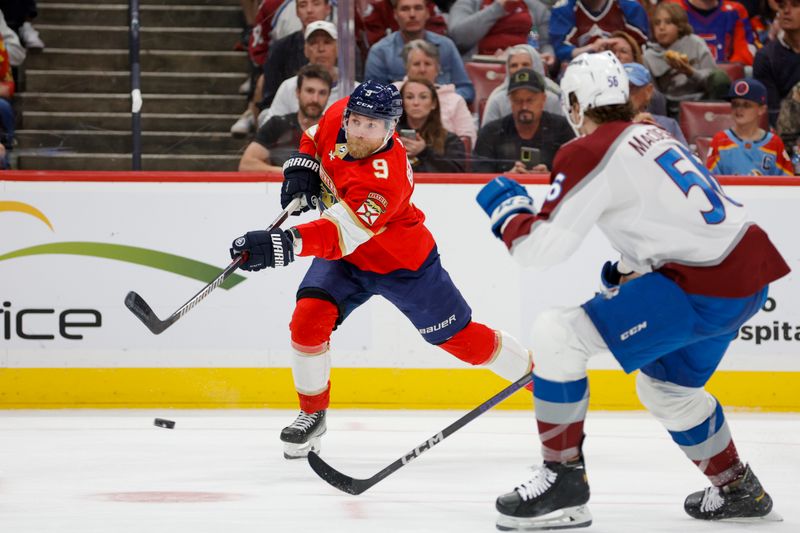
x=143, y=312
x=335, y=478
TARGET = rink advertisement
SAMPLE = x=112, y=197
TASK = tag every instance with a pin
x=71, y=250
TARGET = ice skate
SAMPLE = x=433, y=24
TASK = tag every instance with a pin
x=555, y=498
x=303, y=435
x=742, y=500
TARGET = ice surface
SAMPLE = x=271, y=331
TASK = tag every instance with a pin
x=223, y=471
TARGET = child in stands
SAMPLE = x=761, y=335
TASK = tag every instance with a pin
x=747, y=149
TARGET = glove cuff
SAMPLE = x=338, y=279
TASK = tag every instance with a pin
x=515, y=204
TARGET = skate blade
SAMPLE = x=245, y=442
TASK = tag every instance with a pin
x=771, y=516
x=300, y=451
x=567, y=518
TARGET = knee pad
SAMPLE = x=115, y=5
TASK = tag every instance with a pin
x=501, y=353
x=312, y=322
x=677, y=407
x=475, y=344
x=563, y=341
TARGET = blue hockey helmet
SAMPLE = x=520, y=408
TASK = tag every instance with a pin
x=373, y=99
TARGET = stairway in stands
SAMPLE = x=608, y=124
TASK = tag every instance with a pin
x=76, y=106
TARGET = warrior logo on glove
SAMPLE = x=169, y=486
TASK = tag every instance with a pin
x=301, y=178
x=264, y=249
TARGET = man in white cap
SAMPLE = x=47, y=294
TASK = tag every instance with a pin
x=320, y=49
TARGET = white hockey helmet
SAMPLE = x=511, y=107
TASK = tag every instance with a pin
x=596, y=80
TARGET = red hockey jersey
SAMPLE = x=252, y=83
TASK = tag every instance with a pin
x=369, y=219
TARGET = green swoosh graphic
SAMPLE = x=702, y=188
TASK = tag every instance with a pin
x=132, y=254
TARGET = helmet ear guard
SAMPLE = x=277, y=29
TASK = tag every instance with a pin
x=595, y=80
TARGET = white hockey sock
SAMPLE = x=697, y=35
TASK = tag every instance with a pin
x=311, y=372
x=511, y=360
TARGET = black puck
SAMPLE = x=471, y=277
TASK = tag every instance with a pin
x=164, y=423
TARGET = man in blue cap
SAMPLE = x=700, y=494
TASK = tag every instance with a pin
x=746, y=148
x=642, y=88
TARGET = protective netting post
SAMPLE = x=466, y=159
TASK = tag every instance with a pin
x=345, y=27
x=136, y=93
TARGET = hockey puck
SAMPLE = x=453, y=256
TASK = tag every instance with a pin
x=164, y=423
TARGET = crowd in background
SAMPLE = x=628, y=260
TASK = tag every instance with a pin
x=17, y=37
x=676, y=51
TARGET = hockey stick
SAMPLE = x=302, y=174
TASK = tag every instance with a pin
x=357, y=486
x=145, y=313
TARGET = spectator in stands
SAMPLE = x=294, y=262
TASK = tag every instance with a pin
x=385, y=61
x=624, y=46
x=641, y=92
x=765, y=22
x=320, y=49
x=422, y=61
x=379, y=20
x=430, y=146
x=519, y=57
x=249, y=9
x=788, y=125
x=16, y=52
x=526, y=140
x=578, y=26
x=7, y=116
x=777, y=64
x=280, y=136
x=628, y=50
x=286, y=55
x=489, y=27
x=746, y=149
x=680, y=61
x=257, y=49
x=725, y=27
x=284, y=59
x=18, y=15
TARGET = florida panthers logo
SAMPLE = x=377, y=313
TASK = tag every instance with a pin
x=369, y=211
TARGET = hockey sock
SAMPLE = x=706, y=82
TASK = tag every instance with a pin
x=560, y=412
x=709, y=445
x=312, y=323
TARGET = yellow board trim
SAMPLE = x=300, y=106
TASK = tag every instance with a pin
x=371, y=388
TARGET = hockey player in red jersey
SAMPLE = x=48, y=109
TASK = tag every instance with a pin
x=694, y=267
x=369, y=240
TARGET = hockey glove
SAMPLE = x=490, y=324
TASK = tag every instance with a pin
x=610, y=275
x=301, y=178
x=502, y=198
x=264, y=249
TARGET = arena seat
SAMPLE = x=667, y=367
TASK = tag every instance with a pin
x=485, y=77
x=705, y=119
x=702, y=144
x=735, y=71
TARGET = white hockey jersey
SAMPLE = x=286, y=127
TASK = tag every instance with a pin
x=659, y=207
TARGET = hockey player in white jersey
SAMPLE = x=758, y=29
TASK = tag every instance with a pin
x=693, y=269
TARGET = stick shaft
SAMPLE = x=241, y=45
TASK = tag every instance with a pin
x=354, y=486
x=143, y=312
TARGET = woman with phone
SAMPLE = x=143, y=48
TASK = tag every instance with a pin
x=421, y=59
x=430, y=147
